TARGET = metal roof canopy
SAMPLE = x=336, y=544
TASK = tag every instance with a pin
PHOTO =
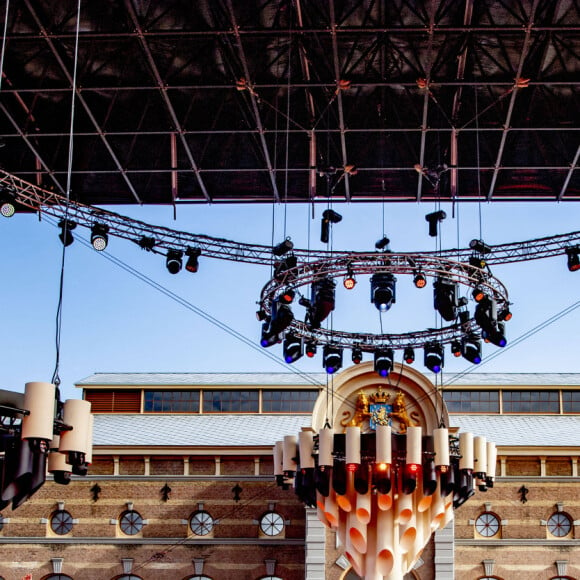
x=261, y=101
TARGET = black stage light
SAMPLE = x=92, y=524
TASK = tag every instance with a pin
x=65, y=235
x=292, y=348
x=147, y=243
x=281, y=318
x=495, y=335
x=322, y=301
x=329, y=216
x=331, y=358
x=445, y=298
x=283, y=247
x=384, y=361
x=383, y=290
x=310, y=349
x=409, y=355
x=433, y=356
x=573, y=254
x=477, y=261
x=420, y=280
x=173, y=261
x=478, y=293
x=456, y=348
x=433, y=219
x=357, y=355
x=268, y=338
x=287, y=296
x=349, y=281
x=99, y=236
x=471, y=349
x=486, y=314
x=7, y=205
x=383, y=244
x=192, y=264
x=504, y=314
x=282, y=267
x=480, y=246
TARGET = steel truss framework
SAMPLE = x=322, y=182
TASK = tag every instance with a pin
x=294, y=100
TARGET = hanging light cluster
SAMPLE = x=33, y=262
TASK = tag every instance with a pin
x=384, y=492
x=40, y=434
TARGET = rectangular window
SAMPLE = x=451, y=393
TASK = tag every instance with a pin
x=288, y=401
x=108, y=401
x=571, y=401
x=531, y=402
x=230, y=401
x=472, y=401
x=185, y=401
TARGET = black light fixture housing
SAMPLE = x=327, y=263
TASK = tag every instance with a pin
x=65, y=236
x=471, y=349
x=434, y=219
x=357, y=355
x=310, y=349
x=99, y=236
x=283, y=247
x=329, y=216
x=433, y=356
x=456, y=348
x=292, y=348
x=420, y=280
x=409, y=355
x=322, y=301
x=174, y=261
x=383, y=290
x=331, y=358
x=573, y=254
x=147, y=243
x=192, y=264
x=445, y=298
x=383, y=244
x=7, y=205
x=384, y=361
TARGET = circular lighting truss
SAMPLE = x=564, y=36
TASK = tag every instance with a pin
x=431, y=266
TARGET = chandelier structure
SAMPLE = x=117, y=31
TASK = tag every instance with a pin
x=38, y=433
x=386, y=471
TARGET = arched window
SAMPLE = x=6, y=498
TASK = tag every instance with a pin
x=270, y=578
x=127, y=577
x=57, y=577
x=490, y=578
x=198, y=578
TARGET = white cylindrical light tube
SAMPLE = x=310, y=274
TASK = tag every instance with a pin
x=325, y=446
x=480, y=454
x=353, y=445
x=466, y=450
x=383, y=439
x=385, y=542
x=306, y=444
x=89, y=452
x=278, y=454
x=414, y=445
x=39, y=399
x=289, y=453
x=441, y=444
x=76, y=414
x=363, y=506
x=331, y=509
x=357, y=532
x=491, y=458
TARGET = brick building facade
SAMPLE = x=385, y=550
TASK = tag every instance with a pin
x=181, y=486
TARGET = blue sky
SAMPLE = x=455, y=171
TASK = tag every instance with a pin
x=113, y=321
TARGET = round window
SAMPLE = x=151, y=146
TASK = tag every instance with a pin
x=61, y=522
x=487, y=525
x=559, y=525
x=201, y=523
x=271, y=524
x=131, y=522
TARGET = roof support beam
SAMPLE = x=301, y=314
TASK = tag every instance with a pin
x=573, y=167
x=48, y=39
x=255, y=108
x=508, y=118
x=165, y=98
x=339, y=98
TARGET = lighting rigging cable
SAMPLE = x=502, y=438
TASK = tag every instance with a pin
x=206, y=316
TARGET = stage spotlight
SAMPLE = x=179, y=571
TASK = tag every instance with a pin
x=495, y=335
x=420, y=280
x=478, y=294
x=480, y=246
x=65, y=235
x=329, y=216
x=282, y=267
x=384, y=361
x=383, y=244
x=477, y=261
x=383, y=290
x=433, y=219
x=283, y=247
x=322, y=301
x=292, y=348
x=99, y=237
x=486, y=314
x=456, y=348
x=281, y=317
x=331, y=358
x=504, y=314
x=357, y=355
x=7, y=205
x=147, y=243
x=471, y=349
x=287, y=296
x=310, y=349
x=192, y=264
x=349, y=281
x=409, y=355
x=434, y=358
x=573, y=254
x=173, y=262
x=445, y=298
x=268, y=338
